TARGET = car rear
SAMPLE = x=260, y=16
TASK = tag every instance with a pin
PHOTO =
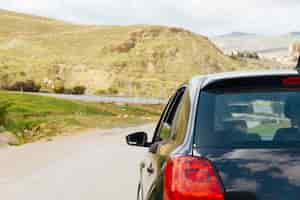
x=246, y=142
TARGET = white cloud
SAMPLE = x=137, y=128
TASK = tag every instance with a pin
x=205, y=16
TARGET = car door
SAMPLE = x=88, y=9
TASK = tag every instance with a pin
x=151, y=166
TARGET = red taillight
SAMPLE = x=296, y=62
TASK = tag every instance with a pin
x=191, y=178
x=291, y=81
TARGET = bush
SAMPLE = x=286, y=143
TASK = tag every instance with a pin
x=26, y=86
x=59, y=89
x=101, y=92
x=112, y=91
x=3, y=112
x=68, y=91
x=78, y=90
x=244, y=54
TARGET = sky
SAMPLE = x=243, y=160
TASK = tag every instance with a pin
x=209, y=17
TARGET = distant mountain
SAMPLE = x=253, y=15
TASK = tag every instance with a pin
x=297, y=33
x=236, y=34
x=268, y=46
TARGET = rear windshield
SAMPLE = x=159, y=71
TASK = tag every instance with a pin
x=251, y=119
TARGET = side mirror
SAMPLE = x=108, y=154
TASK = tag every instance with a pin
x=137, y=139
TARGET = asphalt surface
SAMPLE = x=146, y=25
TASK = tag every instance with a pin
x=88, y=166
x=106, y=99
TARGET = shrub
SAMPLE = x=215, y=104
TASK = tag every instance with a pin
x=79, y=90
x=31, y=86
x=244, y=54
x=252, y=55
x=68, y=91
x=101, y=92
x=22, y=73
x=59, y=89
x=3, y=112
x=112, y=90
x=26, y=86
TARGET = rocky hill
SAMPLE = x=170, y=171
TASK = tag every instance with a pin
x=294, y=50
x=277, y=44
x=131, y=60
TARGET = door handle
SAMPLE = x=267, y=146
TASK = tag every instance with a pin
x=150, y=169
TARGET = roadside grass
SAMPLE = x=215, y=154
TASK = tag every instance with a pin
x=31, y=117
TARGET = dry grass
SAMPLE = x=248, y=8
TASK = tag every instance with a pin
x=135, y=60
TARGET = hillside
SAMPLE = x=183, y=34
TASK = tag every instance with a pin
x=131, y=60
x=268, y=45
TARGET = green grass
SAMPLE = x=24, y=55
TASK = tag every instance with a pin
x=162, y=57
x=265, y=129
x=269, y=128
x=33, y=117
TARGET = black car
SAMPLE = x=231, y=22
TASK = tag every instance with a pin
x=203, y=149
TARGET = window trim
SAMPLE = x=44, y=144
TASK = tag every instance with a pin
x=179, y=94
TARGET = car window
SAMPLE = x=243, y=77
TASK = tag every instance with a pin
x=251, y=119
x=163, y=131
x=180, y=124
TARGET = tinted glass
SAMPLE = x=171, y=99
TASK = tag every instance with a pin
x=180, y=124
x=164, y=127
x=248, y=119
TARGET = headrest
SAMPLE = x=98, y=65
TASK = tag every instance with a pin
x=235, y=124
x=292, y=107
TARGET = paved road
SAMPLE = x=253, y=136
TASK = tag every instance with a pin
x=106, y=99
x=93, y=166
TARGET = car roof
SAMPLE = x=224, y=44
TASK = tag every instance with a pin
x=203, y=80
